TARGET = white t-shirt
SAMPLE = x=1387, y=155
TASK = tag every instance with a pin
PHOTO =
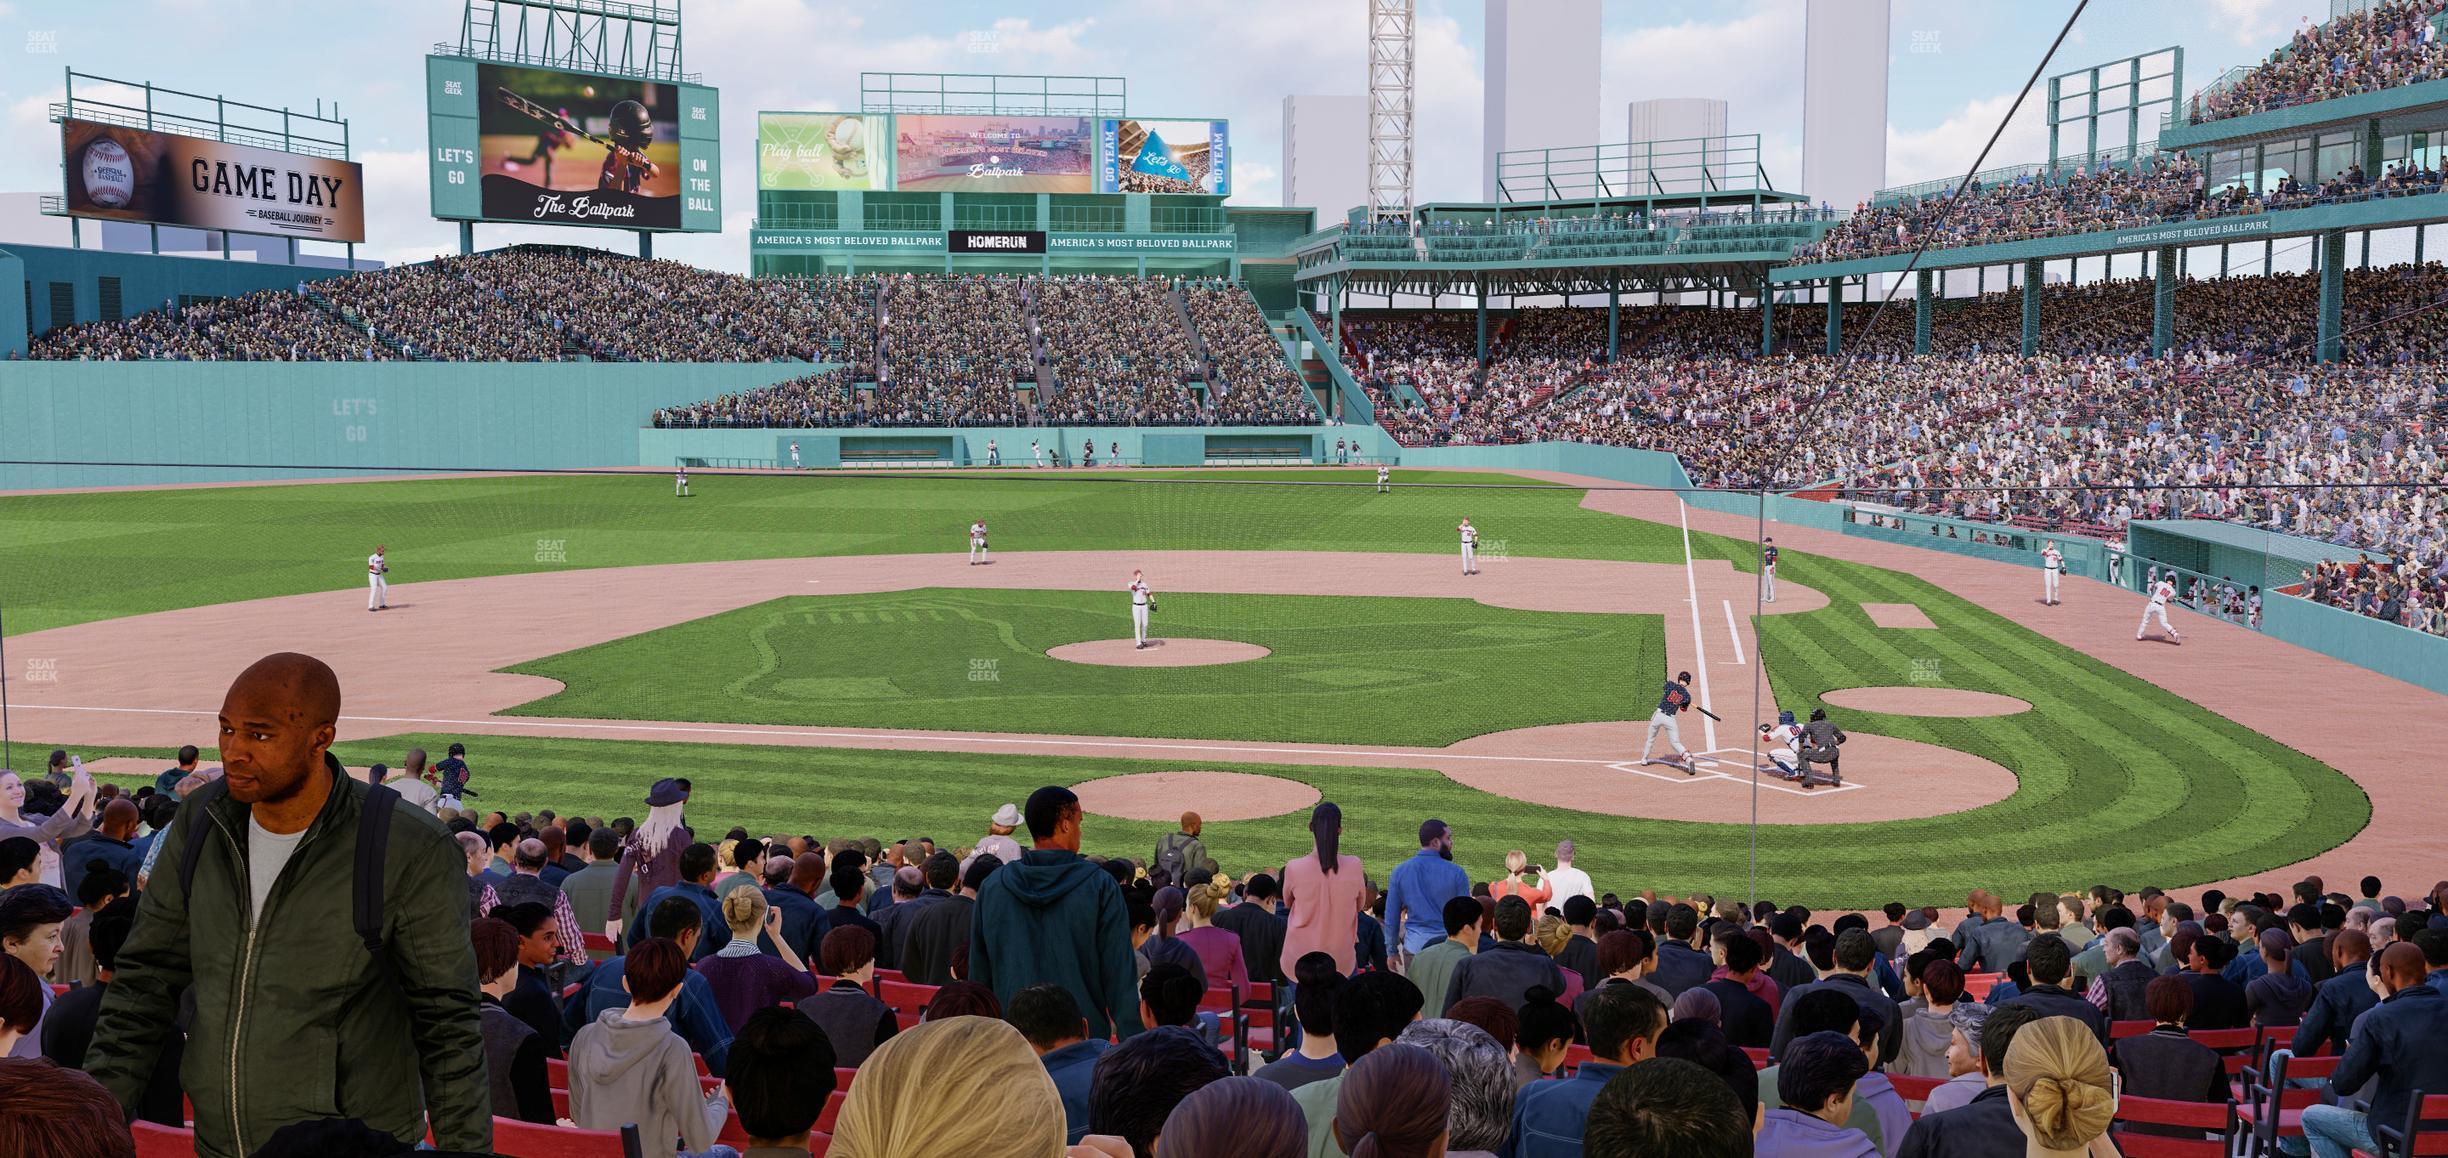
x=267, y=853
x=1568, y=882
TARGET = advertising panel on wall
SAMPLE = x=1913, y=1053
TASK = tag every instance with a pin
x=547, y=147
x=131, y=174
x=824, y=151
x=993, y=154
x=1144, y=156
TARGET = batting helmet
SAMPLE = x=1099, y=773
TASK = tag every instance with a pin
x=631, y=124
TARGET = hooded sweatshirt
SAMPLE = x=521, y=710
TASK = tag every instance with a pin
x=1926, y=1037
x=1055, y=918
x=623, y=1071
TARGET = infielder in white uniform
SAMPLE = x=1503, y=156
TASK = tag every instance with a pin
x=1141, y=600
x=680, y=483
x=1768, y=561
x=2160, y=593
x=977, y=543
x=1384, y=475
x=2052, y=565
x=378, y=589
x=1470, y=548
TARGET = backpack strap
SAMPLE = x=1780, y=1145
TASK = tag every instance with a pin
x=373, y=844
x=188, y=852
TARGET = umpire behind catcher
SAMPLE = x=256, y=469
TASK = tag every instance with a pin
x=324, y=925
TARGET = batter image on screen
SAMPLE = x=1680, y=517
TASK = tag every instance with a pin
x=1001, y=154
x=565, y=148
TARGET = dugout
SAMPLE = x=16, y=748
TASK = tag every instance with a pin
x=2247, y=555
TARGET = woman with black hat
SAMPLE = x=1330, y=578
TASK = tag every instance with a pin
x=652, y=859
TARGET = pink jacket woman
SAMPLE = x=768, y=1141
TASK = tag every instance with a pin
x=1324, y=893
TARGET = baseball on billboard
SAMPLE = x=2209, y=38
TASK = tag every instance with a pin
x=130, y=174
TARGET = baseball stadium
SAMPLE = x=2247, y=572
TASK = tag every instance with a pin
x=1670, y=563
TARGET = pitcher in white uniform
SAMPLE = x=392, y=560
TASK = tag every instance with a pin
x=2052, y=565
x=2160, y=593
x=977, y=542
x=1141, y=600
x=1470, y=548
x=378, y=589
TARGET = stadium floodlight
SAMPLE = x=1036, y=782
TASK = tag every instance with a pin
x=1390, y=103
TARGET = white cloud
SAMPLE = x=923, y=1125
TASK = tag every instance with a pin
x=1763, y=94
x=1950, y=147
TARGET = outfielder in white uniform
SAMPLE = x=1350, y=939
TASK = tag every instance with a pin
x=994, y=454
x=977, y=543
x=378, y=589
x=2052, y=566
x=1384, y=476
x=794, y=454
x=1141, y=600
x=680, y=483
x=1470, y=548
x=2160, y=593
x=1036, y=455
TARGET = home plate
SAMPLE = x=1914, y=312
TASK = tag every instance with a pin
x=1712, y=766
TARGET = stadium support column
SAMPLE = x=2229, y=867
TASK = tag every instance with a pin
x=2332, y=290
x=1767, y=300
x=1483, y=323
x=2035, y=279
x=645, y=246
x=2163, y=300
x=1614, y=304
x=1835, y=318
x=467, y=239
x=1921, y=311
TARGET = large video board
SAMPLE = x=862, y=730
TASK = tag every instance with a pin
x=545, y=146
x=1149, y=156
x=824, y=151
x=975, y=153
x=130, y=174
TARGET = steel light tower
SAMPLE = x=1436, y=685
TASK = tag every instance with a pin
x=1390, y=104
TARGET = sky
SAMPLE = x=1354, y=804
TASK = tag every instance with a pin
x=1954, y=69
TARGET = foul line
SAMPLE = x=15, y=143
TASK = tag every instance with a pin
x=1691, y=580
x=1732, y=632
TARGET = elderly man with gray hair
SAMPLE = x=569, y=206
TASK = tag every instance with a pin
x=1479, y=1071
x=526, y=885
x=1565, y=882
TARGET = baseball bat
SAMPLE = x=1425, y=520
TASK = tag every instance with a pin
x=547, y=116
x=1705, y=712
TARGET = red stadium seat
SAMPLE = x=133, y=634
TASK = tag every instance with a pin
x=1759, y=1057
x=599, y=943
x=155, y=1141
x=1913, y=1089
x=2424, y=1133
x=556, y=1073
x=818, y=1143
x=2211, y=1118
x=1979, y=984
x=832, y=1111
x=903, y=997
x=59, y=990
x=516, y=1139
x=2120, y=1030
x=560, y=1102
x=842, y=1076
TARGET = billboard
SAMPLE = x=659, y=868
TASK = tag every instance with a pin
x=545, y=146
x=993, y=154
x=130, y=174
x=1143, y=156
x=824, y=151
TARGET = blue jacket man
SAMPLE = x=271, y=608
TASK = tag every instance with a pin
x=2398, y=1043
x=1417, y=891
x=1623, y=1022
x=696, y=885
x=1071, y=1066
x=2335, y=1006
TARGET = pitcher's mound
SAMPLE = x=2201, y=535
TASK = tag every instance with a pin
x=1913, y=701
x=1214, y=796
x=1160, y=653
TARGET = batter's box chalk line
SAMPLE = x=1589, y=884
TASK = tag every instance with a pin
x=1724, y=764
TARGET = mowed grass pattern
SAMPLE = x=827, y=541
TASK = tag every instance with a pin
x=1346, y=670
x=75, y=558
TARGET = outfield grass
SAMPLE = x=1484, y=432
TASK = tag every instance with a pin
x=68, y=559
x=1344, y=670
x=2121, y=782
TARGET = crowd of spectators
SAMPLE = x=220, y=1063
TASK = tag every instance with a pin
x=2048, y=204
x=1102, y=1001
x=2373, y=47
x=1118, y=352
x=264, y=326
x=1252, y=382
x=953, y=352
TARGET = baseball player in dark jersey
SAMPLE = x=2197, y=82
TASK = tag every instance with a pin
x=1671, y=703
x=626, y=168
x=1768, y=558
